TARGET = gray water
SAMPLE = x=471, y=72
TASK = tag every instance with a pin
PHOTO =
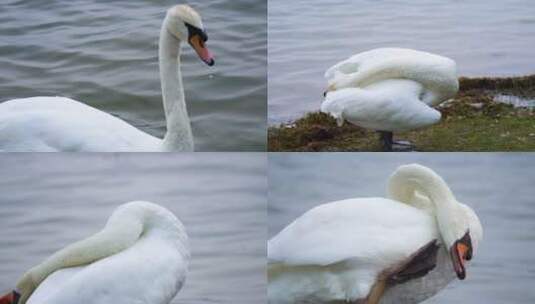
x=485, y=38
x=50, y=200
x=499, y=187
x=105, y=54
x=516, y=101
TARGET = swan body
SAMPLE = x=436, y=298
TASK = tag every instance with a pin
x=54, y=124
x=43, y=117
x=390, y=89
x=141, y=256
x=389, y=105
x=341, y=251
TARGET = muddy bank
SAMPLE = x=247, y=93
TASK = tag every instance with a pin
x=473, y=121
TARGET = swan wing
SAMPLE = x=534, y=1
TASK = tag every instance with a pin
x=47, y=124
x=436, y=73
x=368, y=230
x=53, y=284
x=335, y=252
x=389, y=105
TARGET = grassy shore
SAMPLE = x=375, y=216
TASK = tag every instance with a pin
x=473, y=121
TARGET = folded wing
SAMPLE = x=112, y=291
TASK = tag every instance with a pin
x=389, y=105
x=437, y=74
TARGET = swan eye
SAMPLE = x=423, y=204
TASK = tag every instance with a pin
x=193, y=30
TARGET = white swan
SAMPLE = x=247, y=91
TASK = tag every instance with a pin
x=401, y=249
x=141, y=256
x=49, y=124
x=390, y=89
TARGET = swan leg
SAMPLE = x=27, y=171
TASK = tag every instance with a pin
x=403, y=146
x=375, y=295
x=388, y=144
x=386, y=140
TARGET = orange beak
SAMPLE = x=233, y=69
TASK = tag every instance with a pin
x=7, y=299
x=10, y=298
x=200, y=47
x=460, y=253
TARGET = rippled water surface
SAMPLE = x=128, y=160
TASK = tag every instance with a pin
x=105, y=53
x=489, y=38
x=499, y=187
x=49, y=201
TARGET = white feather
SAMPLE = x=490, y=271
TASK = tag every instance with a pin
x=390, y=89
x=50, y=124
x=54, y=124
x=149, y=271
x=336, y=251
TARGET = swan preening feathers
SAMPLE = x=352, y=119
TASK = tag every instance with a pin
x=390, y=89
x=141, y=256
x=401, y=249
x=48, y=124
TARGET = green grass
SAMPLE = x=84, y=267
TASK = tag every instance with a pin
x=473, y=121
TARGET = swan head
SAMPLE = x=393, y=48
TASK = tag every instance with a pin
x=462, y=238
x=25, y=287
x=185, y=24
x=10, y=298
x=460, y=228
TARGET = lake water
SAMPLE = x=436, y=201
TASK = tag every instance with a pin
x=51, y=200
x=489, y=38
x=499, y=187
x=105, y=53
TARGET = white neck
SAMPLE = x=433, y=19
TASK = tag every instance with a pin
x=178, y=136
x=424, y=189
x=124, y=228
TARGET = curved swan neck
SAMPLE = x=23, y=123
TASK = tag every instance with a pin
x=125, y=227
x=178, y=136
x=424, y=189
x=407, y=181
x=118, y=234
